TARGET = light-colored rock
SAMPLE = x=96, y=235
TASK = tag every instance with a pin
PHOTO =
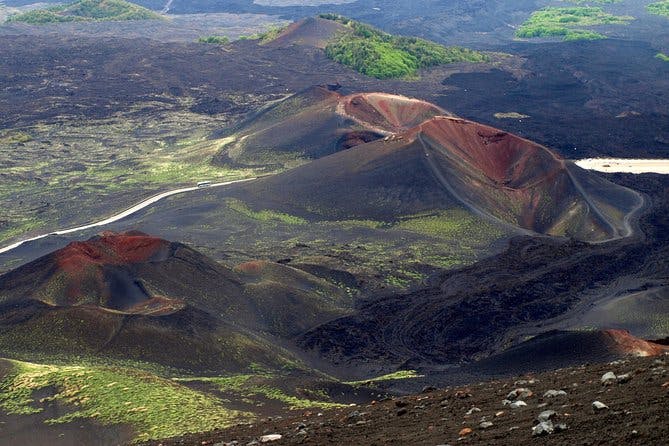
x=546, y=415
x=271, y=437
x=624, y=378
x=598, y=405
x=520, y=393
x=543, y=428
x=518, y=404
x=554, y=393
x=608, y=378
x=485, y=425
x=472, y=410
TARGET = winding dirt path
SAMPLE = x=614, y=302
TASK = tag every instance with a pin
x=121, y=215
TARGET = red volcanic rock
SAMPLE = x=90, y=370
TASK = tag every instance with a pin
x=627, y=344
x=504, y=159
x=110, y=249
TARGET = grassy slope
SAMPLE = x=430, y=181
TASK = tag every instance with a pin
x=156, y=407
x=87, y=10
x=384, y=56
x=567, y=23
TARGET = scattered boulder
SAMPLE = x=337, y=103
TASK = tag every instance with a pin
x=546, y=415
x=520, y=393
x=547, y=427
x=485, y=424
x=465, y=431
x=608, y=378
x=543, y=428
x=624, y=378
x=402, y=411
x=472, y=410
x=598, y=405
x=271, y=437
x=514, y=404
x=554, y=393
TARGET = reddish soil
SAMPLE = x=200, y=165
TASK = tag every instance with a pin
x=312, y=31
x=388, y=113
x=636, y=415
x=505, y=159
x=109, y=249
x=625, y=343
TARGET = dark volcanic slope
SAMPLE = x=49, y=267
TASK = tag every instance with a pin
x=318, y=122
x=449, y=162
x=493, y=304
x=132, y=295
x=636, y=415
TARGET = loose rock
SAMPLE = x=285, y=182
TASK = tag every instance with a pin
x=546, y=415
x=554, y=393
x=608, y=378
x=485, y=425
x=598, y=405
x=271, y=437
x=517, y=404
x=543, y=428
x=520, y=393
x=465, y=431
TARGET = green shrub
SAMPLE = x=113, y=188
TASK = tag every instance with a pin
x=217, y=40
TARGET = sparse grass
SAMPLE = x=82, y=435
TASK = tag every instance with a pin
x=86, y=11
x=400, y=374
x=61, y=174
x=567, y=22
x=384, y=56
x=251, y=386
x=450, y=224
x=9, y=137
x=264, y=215
x=659, y=8
x=156, y=407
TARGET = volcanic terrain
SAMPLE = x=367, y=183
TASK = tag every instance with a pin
x=135, y=296
x=425, y=163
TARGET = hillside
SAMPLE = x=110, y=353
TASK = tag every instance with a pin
x=317, y=122
x=447, y=163
x=86, y=10
x=634, y=414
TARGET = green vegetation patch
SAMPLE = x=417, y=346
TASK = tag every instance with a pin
x=154, y=406
x=86, y=11
x=266, y=36
x=659, y=8
x=217, y=40
x=400, y=374
x=566, y=23
x=253, y=386
x=451, y=224
x=384, y=56
x=264, y=215
x=662, y=56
